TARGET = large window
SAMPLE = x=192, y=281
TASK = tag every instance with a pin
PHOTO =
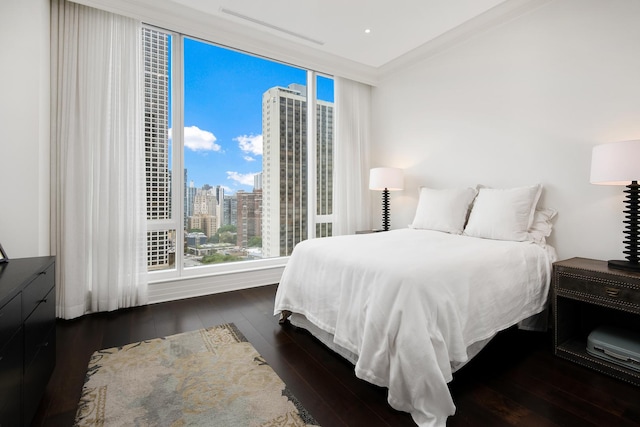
x=239, y=155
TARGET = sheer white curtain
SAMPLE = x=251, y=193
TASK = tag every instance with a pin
x=351, y=162
x=98, y=182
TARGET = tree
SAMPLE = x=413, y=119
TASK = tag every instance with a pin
x=255, y=242
x=230, y=228
x=217, y=258
x=227, y=237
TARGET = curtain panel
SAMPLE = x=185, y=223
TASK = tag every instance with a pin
x=98, y=176
x=352, y=201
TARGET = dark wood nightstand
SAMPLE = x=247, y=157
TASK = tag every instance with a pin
x=586, y=294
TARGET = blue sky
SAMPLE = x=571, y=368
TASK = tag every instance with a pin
x=223, y=112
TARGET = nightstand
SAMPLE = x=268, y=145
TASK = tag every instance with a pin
x=368, y=231
x=586, y=294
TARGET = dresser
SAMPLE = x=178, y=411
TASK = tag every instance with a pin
x=27, y=336
x=588, y=294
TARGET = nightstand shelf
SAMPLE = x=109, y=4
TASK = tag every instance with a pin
x=587, y=294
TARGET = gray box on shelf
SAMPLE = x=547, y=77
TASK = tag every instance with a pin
x=617, y=345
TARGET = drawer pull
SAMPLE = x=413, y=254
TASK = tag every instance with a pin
x=612, y=292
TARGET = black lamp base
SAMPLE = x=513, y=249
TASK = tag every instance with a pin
x=385, y=209
x=631, y=230
x=624, y=265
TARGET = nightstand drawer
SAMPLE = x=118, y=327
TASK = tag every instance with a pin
x=601, y=290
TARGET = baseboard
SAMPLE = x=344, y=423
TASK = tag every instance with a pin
x=217, y=283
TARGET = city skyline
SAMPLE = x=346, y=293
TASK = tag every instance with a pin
x=239, y=97
x=223, y=112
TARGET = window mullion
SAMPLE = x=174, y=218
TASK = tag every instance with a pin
x=177, y=90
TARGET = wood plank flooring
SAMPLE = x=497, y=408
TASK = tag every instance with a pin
x=515, y=381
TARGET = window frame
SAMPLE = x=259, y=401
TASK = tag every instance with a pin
x=179, y=272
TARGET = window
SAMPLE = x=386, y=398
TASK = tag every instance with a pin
x=228, y=155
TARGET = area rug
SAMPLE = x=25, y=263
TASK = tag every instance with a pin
x=210, y=377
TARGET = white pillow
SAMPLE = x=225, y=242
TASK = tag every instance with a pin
x=443, y=210
x=542, y=226
x=503, y=214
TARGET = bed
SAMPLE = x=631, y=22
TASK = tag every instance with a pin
x=409, y=307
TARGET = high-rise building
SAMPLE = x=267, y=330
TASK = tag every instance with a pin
x=219, y=207
x=284, y=168
x=257, y=181
x=249, y=216
x=189, y=195
x=204, y=202
x=204, y=211
x=156, y=120
x=324, y=166
x=230, y=210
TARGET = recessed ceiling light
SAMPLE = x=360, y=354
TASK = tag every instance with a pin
x=368, y=30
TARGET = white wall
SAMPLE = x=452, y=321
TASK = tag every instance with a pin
x=520, y=104
x=24, y=127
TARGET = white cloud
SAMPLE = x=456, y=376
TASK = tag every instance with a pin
x=241, y=178
x=251, y=144
x=228, y=190
x=249, y=159
x=197, y=139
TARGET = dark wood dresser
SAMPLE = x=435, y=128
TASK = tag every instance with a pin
x=27, y=336
x=587, y=294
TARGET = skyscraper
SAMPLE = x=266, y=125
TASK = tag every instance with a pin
x=284, y=168
x=156, y=107
x=220, y=221
x=230, y=210
x=249, y=216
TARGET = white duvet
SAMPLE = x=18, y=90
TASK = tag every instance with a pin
x=410, y=302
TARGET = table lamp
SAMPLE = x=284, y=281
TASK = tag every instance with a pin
x=618, y=163
x=385, y=179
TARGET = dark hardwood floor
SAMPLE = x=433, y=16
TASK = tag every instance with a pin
x=515, y=381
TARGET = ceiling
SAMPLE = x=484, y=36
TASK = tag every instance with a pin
x=337, y=27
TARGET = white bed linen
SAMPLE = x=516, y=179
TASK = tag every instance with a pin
x=410, y=302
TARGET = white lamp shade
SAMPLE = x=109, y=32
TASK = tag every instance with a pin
x=389, y=178
x=616, y=163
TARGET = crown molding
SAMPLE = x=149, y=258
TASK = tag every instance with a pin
x=179, y=18
x=174, y=16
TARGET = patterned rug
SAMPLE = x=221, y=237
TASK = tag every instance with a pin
x=211, y=377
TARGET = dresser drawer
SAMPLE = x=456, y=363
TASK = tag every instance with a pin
x=37, y=374
x=11, y=381
x=37, y=290
x=10, y=319
x=27, y=336
x=37, y=327
x=601, y=290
